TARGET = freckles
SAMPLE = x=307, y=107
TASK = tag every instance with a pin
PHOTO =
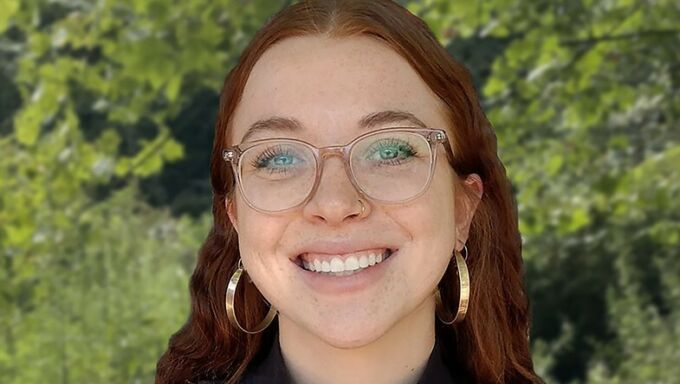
x=264, y=230
x=424, y=218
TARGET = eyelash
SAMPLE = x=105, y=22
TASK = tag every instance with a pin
x=396, y=143
x=267, y=155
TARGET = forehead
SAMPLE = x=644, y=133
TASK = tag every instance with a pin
x=329, y=85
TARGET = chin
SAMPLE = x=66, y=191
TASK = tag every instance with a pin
x=350, y=337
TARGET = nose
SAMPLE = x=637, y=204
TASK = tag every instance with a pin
x=335, y=199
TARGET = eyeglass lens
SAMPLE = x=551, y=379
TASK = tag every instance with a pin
x=390, y=166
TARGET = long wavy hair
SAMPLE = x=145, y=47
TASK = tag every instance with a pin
x=492, y=344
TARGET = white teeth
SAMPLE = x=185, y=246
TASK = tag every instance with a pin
x=363, y=261
x=351, y=263
x=338, y=267
x=346, y=273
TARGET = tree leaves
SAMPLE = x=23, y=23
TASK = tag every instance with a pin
x=9, y=9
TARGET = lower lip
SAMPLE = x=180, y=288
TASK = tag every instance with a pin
x=341, y=285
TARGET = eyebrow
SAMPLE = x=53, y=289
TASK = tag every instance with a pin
x=287, y=124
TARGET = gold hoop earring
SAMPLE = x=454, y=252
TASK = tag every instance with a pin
x=464, y=291
x=229, y=301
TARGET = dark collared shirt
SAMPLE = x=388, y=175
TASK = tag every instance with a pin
x=272, y=369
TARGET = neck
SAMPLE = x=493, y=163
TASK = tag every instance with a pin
x=398, y=356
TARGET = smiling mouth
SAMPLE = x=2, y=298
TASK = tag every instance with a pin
x=341, y=265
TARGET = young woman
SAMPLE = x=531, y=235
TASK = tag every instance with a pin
x=365, y=230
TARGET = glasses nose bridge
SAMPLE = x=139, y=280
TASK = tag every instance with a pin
x=340, y=151
x=335, y=150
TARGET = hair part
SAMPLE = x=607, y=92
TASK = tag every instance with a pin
x=492, y=344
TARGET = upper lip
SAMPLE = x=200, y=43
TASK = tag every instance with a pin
x=340, y=247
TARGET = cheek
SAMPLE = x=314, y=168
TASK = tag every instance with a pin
x=429, y=219
x=438, y=229
x=429, y=222
x=259, y=234
x=438, y=206
x=259, y=238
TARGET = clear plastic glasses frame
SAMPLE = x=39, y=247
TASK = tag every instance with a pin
x=235, y=154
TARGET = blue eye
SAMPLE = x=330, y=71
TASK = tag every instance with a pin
x=279, y=161
x=390, y=151
x=276, y=160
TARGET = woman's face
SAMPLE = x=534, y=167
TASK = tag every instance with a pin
x=328, y=86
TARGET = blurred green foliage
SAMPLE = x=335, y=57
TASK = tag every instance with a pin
x=106, y=114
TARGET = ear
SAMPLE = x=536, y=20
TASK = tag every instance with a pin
x=230, y=205
x=466, y=206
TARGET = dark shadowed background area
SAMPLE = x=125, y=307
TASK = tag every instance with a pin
x=106, y=119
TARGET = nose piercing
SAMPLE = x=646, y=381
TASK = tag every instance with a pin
x=363, y=208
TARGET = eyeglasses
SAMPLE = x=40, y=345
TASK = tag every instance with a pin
x=391, y=165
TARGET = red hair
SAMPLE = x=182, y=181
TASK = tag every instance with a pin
x=492, y=343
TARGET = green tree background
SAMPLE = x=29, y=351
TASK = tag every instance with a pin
x=106, y=117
